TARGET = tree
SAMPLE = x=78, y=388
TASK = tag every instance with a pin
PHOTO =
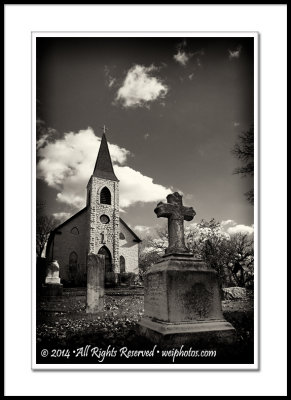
x=244, y=151
x=232, y=256
x=241, y=258
x=151, y=251
x=44, y=225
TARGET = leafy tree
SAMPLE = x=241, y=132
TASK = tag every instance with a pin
x=232, y=256
x=151, y=251
x=241, y=258
x=244, y=151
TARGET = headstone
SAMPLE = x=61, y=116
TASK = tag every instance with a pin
x=53, y=286
x=95, y=283
x=234, y=293
x=182, y=297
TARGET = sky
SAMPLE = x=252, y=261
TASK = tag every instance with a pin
x=174, y=108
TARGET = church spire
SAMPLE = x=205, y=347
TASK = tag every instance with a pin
x=103, y=167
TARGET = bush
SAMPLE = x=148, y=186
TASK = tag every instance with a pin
x=127, y=278
x=110, y=280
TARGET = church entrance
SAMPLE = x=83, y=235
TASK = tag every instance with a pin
x=109, y=273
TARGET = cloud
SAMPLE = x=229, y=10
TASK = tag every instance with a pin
x=234, y=53
x=135, y=187
x=109, y=79
x=111, y=82
x=182, y=57
x=142, y=229
x=146, y=136
x=236, y=124
x=66, y=165
x=191, y=76
x=140, y=88
x=231, y=227
x=62, y=216
x=241, y=229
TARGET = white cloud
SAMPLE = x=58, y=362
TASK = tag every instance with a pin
x=241, y=229
x=182, y=57
x=236, y=124
x=109, y=79
x=191, y=76
x=62, y=216
x=140, y=88
x=231, y=227
x=66, y=164
x=111, y=82
x=234, y=53
x=135, y=187
x=144, y=230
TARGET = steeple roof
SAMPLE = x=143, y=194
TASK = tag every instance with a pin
x=103, y=167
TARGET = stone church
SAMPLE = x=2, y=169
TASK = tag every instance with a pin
x=97, y=228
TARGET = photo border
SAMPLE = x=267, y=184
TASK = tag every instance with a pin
x=133, y=366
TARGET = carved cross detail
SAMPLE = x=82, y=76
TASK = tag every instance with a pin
x=176, y=214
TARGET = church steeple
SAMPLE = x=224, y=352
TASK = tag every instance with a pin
x=103, y=167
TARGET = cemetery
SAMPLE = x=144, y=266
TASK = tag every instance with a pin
x=178, y=308
x=177, y=305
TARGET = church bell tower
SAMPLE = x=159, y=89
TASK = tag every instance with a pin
x=103, y=211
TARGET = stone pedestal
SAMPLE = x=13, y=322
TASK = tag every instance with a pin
x=52, y=286
x=95, y=283
x=182, y=303
x=52, y=289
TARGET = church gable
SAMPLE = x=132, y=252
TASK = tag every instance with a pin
x=128, y=232
x=69, y=245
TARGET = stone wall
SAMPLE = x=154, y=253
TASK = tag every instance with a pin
x=104, y=234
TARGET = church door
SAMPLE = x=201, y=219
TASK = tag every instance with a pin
x=73, y=267
x=109, y=274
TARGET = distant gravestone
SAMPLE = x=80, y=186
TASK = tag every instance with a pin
x=234, y=293
x=53, y=286
x=182, y=297
x=95, y=283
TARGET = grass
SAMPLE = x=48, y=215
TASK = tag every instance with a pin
x=62, y=323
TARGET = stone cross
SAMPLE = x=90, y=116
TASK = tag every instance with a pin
x=176, y=214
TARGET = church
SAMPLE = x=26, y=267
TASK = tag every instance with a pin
x=97, y=228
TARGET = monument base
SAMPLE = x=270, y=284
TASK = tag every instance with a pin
x=182, y=304
x=194, y=333
x=52, y=289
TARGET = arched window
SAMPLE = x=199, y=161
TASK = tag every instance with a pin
x=73, y=259
x=121, y=236
x=73, y=267
x=105, y=196
x=122, y=264
x=75, y=231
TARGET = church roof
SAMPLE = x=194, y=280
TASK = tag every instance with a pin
x=103, y=167
x=136, y=238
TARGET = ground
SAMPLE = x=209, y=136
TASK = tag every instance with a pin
x=63, y=324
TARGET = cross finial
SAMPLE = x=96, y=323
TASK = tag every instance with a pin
x=105, y=129
x=176, y=214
